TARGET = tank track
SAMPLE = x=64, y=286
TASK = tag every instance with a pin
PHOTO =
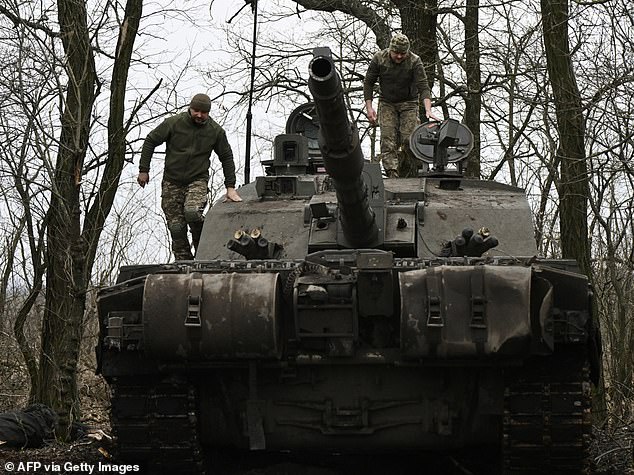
x=155, y=426
x=547, y=421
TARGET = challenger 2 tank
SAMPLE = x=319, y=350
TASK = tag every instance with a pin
x=337, y=311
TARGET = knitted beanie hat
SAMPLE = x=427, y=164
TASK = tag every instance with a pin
x=399, y=43
x=201, y=102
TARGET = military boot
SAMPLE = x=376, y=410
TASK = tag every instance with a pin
x=180, y=243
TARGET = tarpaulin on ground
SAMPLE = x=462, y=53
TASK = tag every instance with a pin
x=30, y=427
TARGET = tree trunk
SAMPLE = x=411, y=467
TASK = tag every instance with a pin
x=71, y=252
x=66, y=278
x=573, y=189
x=418, y=20
x=473, y=101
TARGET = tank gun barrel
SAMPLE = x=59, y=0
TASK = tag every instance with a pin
x=341, y=151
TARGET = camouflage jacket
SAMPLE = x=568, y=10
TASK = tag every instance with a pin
x=398, y=82
x=188, y=150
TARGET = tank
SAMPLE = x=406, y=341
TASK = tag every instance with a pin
x=337, y=311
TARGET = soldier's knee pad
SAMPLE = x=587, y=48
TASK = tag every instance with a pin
x=193, y=214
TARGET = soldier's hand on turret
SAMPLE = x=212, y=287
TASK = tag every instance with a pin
x=232, y=195
x=143, y=179
x=430, y=115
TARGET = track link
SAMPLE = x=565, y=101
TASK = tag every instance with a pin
x=154, y=422
x=547, y=419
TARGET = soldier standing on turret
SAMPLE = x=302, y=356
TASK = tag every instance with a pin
x=402, y=82
x=191, y=137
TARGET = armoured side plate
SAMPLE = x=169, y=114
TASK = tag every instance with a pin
x=238, y=315
x=447, y=311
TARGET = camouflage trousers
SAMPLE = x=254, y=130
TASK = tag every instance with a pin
x=183, y=206
x=398, y=121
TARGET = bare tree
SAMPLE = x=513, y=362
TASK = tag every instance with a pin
x=608, y=109
x=573, y=187
x=70, y=250
x=66, y=253
x=473, y=100
x=26, y=91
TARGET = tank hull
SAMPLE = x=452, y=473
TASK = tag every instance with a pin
x=320, y=375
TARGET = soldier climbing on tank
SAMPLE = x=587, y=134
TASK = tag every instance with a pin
x=402, y=83
x=190, y=136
